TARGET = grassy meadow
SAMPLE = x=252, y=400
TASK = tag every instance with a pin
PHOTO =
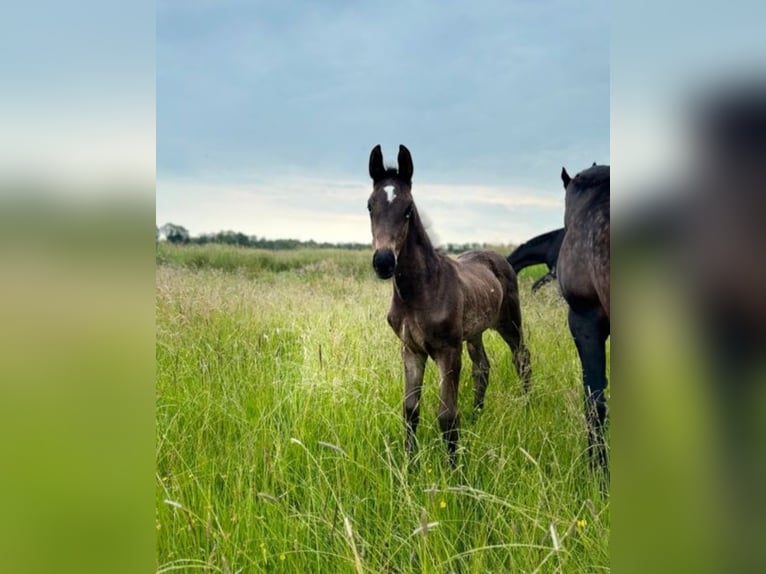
x=280, y=432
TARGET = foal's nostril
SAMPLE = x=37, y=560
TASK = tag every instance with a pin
x=384, y=261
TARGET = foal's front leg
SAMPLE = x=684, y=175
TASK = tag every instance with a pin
x=449, y=360
x=414, y=367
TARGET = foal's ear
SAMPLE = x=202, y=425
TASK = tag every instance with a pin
x=377, y=170
x=405, y=163
x=594, y=164
x=565, y=177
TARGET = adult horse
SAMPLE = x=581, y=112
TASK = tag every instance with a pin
x=438, y=302
x=583, y=273
x=540, y=249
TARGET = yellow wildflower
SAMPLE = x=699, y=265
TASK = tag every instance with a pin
x=582, y=523
x=443, y=504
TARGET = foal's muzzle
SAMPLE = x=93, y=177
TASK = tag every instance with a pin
x=384, y=261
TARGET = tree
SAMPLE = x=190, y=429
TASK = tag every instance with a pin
x=174, y=233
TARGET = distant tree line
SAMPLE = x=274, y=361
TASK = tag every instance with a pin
x=179, y=234
x=462, y=247
x=238, y=238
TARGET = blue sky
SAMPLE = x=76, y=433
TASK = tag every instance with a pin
x=267, y=112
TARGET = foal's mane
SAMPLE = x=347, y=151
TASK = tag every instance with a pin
x=392, y=173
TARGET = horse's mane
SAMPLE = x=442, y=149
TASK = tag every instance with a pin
x=595, y=180
x=593, y=176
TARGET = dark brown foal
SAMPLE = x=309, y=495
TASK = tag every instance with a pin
x=439, y=302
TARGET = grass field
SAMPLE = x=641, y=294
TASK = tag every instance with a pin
x=279, y=430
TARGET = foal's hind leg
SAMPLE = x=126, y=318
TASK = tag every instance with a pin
x=510, y=330
x=480, y=370
x=449, y=360
x=414, y=367
x=590, y=330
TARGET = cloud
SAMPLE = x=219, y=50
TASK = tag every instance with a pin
x=334, y=209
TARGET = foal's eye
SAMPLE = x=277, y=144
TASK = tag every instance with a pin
x=369, y=206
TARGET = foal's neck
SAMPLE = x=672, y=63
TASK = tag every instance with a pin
x=417, y=264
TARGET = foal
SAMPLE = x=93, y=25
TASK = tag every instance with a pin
x=438, y=302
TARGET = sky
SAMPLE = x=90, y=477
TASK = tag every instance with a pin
x=267, y=113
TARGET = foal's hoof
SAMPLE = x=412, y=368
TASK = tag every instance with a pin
x=602, y=475
x=599, y=464
x=458, y=461
x=452, y=456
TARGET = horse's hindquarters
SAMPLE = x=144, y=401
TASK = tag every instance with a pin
x=483, y=292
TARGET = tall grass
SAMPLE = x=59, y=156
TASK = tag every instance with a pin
x=279, y=431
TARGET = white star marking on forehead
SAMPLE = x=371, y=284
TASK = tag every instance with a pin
x=389, y=189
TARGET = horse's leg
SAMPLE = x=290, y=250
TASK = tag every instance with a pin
x=590, y=330
x=547, y=278
x=480, y=370
x=510, y=330
x=414, y=367
x=448, y=360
